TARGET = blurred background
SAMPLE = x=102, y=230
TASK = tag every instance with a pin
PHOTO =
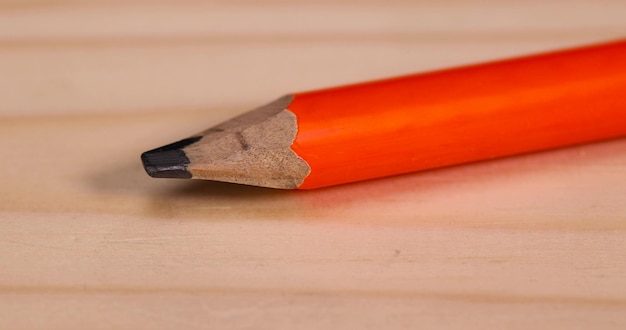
x=78, y=56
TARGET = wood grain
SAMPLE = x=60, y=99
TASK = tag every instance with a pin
x=87, y=240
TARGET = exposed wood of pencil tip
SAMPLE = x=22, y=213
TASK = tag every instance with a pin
x=253, y=149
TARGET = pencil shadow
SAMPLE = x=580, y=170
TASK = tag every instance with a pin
x=131, y=178
x=123, y=178
x=374, y=200
x=175, y=198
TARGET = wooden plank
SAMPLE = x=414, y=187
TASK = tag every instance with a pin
x=83, y=225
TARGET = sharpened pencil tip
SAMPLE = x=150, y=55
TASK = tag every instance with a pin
x=169, y=161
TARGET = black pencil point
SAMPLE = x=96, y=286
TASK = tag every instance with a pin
x=169, y=161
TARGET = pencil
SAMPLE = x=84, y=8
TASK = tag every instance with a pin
x=411, y=123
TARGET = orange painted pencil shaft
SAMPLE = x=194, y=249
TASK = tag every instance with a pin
x=461, y=115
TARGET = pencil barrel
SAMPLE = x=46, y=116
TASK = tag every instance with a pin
x=462, y=115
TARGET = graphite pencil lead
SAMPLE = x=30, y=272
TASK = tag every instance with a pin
x=169, y=161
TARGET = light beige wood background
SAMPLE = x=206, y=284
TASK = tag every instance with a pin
x=88, y=241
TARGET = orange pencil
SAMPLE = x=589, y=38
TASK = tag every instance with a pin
x=412, y=123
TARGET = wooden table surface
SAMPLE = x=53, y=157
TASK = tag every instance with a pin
x=89, y=241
